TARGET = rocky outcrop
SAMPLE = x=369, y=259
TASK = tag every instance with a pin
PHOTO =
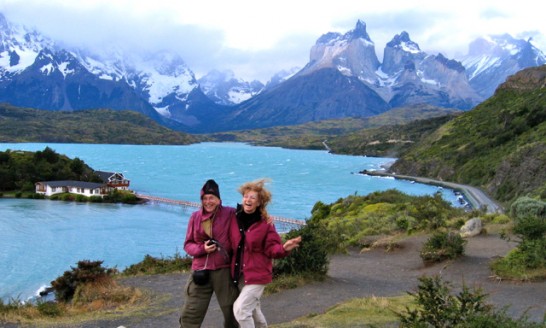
x=526, y=80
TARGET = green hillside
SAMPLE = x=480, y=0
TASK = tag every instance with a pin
x=500, y=145
x=311, y=135
x=91, y=126
x=388, y=140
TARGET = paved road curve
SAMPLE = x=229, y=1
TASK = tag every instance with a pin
x=477, y=197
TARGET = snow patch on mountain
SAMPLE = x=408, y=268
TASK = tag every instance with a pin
x=223, y=88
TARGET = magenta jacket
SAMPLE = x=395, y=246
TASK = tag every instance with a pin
x=196, y=237
x=262, y=245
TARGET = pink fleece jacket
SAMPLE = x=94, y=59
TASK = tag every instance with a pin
x=262, y=245
x=196, y=237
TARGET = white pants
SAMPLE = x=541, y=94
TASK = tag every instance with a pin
x=247, y=307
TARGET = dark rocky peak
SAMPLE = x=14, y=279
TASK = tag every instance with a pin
x=49, y=61
x=404, y=42
x=450, y=63
x=401, y=54
x=529, y=55
x=45, y=56
x=359, y=32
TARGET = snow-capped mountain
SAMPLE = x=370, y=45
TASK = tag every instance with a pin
x=19, y=47
x=155, y=77
x=224, y=89
x=35, y=73
x=280, y=77
x=490, y=60
x=344, y=78
x=116, y=80
x=352, y=53
x=407, y=75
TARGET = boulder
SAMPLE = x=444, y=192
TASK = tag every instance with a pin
x=471, y=228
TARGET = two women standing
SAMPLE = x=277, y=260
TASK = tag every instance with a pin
x=250, y=240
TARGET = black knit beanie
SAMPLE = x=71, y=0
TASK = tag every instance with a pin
x=210, y=187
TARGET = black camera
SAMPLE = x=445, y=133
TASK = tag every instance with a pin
x=211, y=242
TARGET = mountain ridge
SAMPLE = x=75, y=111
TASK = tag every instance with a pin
x=161, y=85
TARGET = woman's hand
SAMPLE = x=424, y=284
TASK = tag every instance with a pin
x=210, y=247
x=292, y=243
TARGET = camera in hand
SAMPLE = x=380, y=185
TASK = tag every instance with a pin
x=211, y=242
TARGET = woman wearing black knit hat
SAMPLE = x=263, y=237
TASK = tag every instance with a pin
x=207, y=241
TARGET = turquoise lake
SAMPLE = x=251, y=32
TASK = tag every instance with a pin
x=40, y=239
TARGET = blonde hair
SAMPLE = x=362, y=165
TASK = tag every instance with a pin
x=264, y=195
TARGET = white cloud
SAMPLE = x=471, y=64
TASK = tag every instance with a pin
x=256, y=39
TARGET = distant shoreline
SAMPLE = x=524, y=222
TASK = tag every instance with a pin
x=477, y=198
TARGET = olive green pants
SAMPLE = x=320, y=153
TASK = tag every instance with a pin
x=198, y=298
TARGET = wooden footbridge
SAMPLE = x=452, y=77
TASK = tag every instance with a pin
x=283, y=224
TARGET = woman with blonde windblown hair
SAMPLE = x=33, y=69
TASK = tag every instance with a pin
x=256, y=243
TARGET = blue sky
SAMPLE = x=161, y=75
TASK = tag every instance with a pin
x=255, y=39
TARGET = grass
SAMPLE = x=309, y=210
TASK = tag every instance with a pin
x=512, y=268
x=152, y=265
x=359, y=312
x=106, y=299
x=284, y=282
x=101, y=299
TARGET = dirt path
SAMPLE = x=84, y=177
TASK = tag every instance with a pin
x=373, y=273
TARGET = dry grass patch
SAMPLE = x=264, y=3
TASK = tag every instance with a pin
x=359, y=312
x=97, y=300
x=388, y=243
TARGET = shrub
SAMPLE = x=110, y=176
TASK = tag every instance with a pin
x=121, y=196
x=129, y=198
x=528, y=260
x=501, y=219
x=527, y=207
x=49, y=309
x=87, y=271
x=81, y=198
x=95, y=199
x=530, y=228
x=36, y=196
x=438, y=307
x=154, y=265
x=105, y=293
x=442, y=246
x=310, y=257
x=67, y=197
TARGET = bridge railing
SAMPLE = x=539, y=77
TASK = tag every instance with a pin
x=284, y=223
